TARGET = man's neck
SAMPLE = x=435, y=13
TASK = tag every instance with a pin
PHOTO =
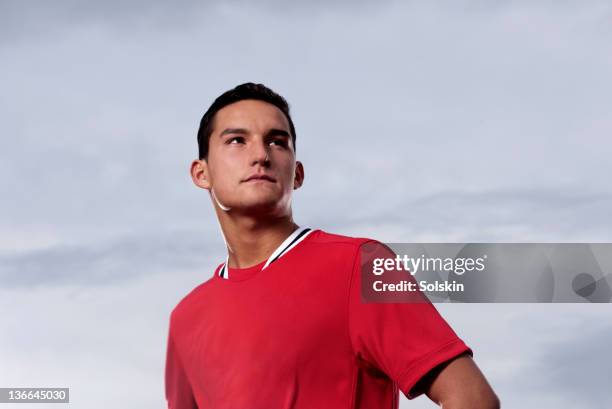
x=251, y=240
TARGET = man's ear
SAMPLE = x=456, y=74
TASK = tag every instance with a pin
x=299, y=175
x=199, y=173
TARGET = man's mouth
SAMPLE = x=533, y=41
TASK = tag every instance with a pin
x=258, y=177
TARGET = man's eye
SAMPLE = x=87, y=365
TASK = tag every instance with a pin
x=235, y=139
x=279, y=142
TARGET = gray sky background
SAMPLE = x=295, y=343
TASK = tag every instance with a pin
x=427, y=121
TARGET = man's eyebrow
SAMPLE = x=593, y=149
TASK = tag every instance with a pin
x=271, y=132
x=233, y=130
x=278, y=132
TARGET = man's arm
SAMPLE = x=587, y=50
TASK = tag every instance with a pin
x=179, y=394
x=459, y=384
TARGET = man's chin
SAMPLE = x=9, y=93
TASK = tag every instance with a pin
x=267, y=206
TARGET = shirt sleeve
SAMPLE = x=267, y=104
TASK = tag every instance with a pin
x=403, y=337
x=179, y=394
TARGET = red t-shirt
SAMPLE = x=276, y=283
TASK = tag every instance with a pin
x=296, y=334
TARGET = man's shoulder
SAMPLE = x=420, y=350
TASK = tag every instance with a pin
x=324, y=237
x=189, y=302
x=346, y=250
x=325, y=247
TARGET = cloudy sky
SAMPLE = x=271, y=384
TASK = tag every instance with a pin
x=416, y=121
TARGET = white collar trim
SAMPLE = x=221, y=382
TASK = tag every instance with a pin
x=289, y=243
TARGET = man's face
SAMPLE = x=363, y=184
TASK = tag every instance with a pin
x=251, y=162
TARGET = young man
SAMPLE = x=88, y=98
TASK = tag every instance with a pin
x=281, y=323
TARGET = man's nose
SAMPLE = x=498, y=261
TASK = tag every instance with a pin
x=260, y=154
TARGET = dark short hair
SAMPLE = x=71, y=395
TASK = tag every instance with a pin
x=244, y=91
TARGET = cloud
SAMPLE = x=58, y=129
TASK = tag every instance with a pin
x=424, y=101
x=92, y=337
x=578, y=368
x=521, y=215
x=566, y=359
x=422, y=121
x=112, y=263
x=26, y=21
